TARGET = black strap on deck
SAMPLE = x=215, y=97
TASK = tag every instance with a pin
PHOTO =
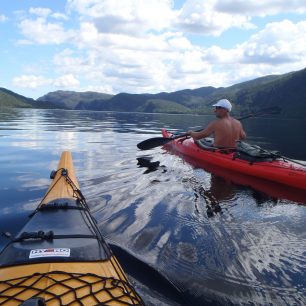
x=41, y=235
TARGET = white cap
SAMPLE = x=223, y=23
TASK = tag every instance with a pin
x=224, y=103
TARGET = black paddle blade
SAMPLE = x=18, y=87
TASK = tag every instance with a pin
x=153, y=143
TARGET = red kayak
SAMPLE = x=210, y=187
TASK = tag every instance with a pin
x=277, y=170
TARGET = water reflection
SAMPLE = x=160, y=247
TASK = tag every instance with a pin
x=154, y=206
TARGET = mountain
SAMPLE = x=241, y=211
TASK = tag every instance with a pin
x=10, y=99
x=287, y=91
x=72, y=99
x=247, y=96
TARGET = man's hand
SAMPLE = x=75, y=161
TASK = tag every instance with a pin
x=190, y=132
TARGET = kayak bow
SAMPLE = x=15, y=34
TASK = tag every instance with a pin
x=60, y=256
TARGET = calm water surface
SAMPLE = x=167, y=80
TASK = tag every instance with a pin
x=251, y=253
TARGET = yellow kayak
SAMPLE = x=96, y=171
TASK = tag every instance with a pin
x=60, y=256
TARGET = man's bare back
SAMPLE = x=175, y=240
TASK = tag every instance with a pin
x=225, y=129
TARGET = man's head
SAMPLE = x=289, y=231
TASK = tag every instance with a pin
x=223, y=103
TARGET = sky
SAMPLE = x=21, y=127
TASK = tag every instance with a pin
x=146, y=46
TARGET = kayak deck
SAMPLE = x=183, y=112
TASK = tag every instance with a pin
x=60, y=256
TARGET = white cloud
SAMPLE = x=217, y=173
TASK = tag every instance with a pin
x=129, y=16
x=134, y=17
x=41, y=31
x=39, y=11
x=278, y=43
x=3, y=18
x=200, y=17
x=46, y=12
x=278, y=48
x=260, y=8
x=190, y=63
x=36, y=81
x=180, y=43
x=68, y=62
x=59, y=16
x=67, y=80
x=31, y=81
x=170, y=62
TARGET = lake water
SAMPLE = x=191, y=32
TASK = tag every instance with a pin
x=251, y=253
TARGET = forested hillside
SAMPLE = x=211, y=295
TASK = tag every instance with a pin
x=10, y=99
x=287, y=91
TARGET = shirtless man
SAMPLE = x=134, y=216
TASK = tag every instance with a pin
x=225, y=129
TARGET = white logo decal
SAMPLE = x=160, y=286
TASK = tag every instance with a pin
x=52, y=252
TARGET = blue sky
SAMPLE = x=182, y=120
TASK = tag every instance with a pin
x=144, y=46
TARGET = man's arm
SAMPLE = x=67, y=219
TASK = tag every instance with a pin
x=242, y=132
x=204, y=133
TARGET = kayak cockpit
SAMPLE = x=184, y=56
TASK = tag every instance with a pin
x=206, y=144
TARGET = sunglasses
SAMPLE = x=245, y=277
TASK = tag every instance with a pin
x=219, y=107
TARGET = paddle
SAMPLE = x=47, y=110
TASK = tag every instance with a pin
x=160, y=141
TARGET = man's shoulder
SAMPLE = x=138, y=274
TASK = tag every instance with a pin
x=235, y=120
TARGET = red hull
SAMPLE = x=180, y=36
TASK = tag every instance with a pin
x=282, y=172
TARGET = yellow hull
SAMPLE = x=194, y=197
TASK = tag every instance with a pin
x=99, y=282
